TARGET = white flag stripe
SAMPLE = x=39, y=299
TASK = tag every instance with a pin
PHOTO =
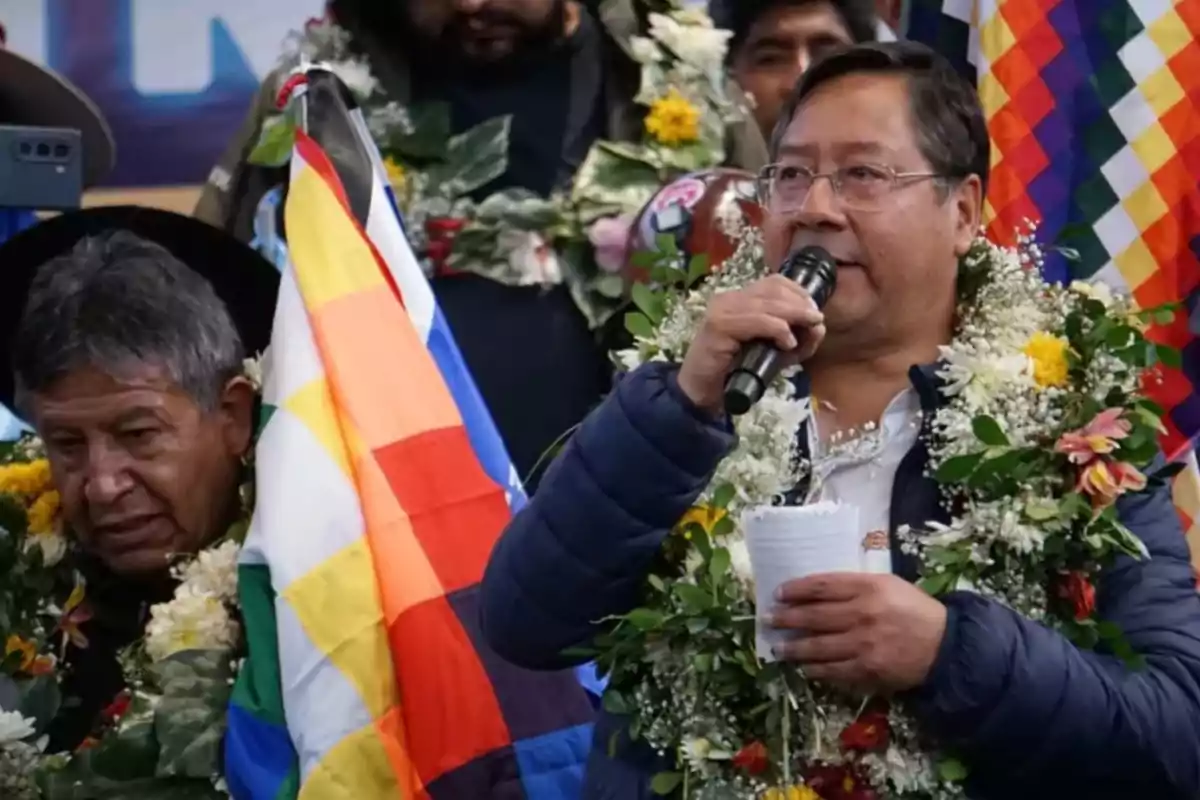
x=384, y=230
x=321, y=706
x=329, y=515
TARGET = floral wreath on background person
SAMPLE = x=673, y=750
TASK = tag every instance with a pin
x=161, y=737
x=578, y=235
x=1043, y=427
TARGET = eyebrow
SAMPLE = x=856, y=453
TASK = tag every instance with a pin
x=873, y=148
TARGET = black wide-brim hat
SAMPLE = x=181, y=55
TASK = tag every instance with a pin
x=35, y=96
x=245, y=281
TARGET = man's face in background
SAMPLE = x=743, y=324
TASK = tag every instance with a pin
x=486, y=31
x=780, y=44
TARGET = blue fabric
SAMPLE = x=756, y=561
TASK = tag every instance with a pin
x=552, y=766
x=1030, y=714
x=263, y=753
x=12, y=222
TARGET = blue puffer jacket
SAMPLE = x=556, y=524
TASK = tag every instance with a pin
x=1033, y=716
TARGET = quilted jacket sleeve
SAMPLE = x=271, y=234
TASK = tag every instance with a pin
x=580, y=550
x=1028, y=709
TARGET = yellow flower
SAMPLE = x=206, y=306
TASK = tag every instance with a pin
x=28, y=650
x=27, y=480
x=43, y=514
x=792, y=793
x=706, y=517
x=1049, y=355
x=395, y=172
x=673, y=120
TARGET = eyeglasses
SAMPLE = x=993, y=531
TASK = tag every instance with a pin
x=785, y=187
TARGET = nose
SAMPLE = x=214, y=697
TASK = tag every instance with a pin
x=107, y=479
x=821, y=207
x=469, y=6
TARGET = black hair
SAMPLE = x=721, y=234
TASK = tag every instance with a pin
x=949, y=122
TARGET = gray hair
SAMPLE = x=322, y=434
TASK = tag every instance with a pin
x=118, y=299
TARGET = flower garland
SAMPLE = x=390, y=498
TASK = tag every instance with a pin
x=179, y=676
x=1042, y=429
x=576, y=236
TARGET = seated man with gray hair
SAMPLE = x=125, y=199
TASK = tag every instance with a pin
x=125, y=332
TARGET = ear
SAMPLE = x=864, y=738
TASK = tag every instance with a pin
x=967, y=207
x=237, y=412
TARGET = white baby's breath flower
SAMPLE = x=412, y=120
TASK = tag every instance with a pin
x=52, y=544
x=644, y=51
x=214, y=572
x=739, y=560
x=700, y=47
x=357, y=77
x=1098, y=290
x=14, y=726
x=190, y=621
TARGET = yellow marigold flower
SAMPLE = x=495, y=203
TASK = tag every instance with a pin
x=792, y=793
x=43, y=514
x=1049, y=355
x=28, y=650
x=395, y=172
x=706, y=517
x=673, y=120
x=27, y=480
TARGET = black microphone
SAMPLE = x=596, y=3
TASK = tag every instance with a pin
x=816, y=271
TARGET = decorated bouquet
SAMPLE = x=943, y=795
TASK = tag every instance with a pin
x=577, y=236
x=1042, y=427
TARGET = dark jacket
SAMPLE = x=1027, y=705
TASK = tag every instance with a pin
x=1032, y=716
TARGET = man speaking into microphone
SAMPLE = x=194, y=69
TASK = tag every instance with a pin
x=881, y=161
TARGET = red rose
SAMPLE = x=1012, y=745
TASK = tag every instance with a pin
x=838, y=783
x=867, y=734
x=443, y=227
x=1077, y=590
x=752, y=758
x=117, y=708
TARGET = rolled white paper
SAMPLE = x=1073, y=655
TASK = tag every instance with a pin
x=790, y=542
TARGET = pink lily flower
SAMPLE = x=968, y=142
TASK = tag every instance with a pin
x=1105, y=480
x=1099, y=437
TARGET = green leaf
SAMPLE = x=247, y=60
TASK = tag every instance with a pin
x=718, y=566
x=952, y=770
x=697, y=268
x=40, y=700
x=651, y=303
x=694, y=599
x=664, y=783
x=988, y=431
x=657, y=583
x=639, y=325
x=275, y=142
x=189, y=719
x=958, y=468
x=473, y=160
x=645, y=619
x=606, y=178
x=1042, y=509
x=1167, y=471
x=697, y=625
x=665, y=243
x=615, y=703
x=938, y=583
x=723, y=495
x=1169, y=356
x=428, y=137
